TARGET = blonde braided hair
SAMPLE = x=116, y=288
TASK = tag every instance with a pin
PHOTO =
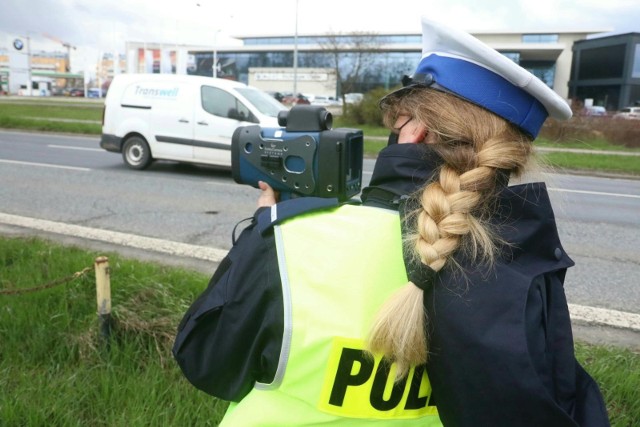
x=453, y=209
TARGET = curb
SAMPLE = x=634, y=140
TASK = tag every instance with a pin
x=590, y=315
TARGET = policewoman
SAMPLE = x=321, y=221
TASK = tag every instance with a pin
x=437, y=301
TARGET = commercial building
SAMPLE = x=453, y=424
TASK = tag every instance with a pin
x=305, y=63
x=606, y=70
x=109, y=65
x=546, y=54
x=48, y=72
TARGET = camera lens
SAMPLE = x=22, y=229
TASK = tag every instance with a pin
x=327, y=120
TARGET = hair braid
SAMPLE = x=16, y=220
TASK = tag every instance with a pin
x=452, y=210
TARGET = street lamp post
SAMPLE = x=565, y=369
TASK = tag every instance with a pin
x=215, y=54
x=214, y=66
x=295, y=55
x=29, y=72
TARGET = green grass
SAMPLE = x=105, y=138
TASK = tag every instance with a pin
x=592, y=144
x=590, y=162
x=51, y=115
x=618, y=375
x=54, y=369
x=368, y=130
x=43, y=125
x=373, y=146
x=52, y=109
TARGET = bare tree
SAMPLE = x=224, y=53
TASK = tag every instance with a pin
x=352, y=56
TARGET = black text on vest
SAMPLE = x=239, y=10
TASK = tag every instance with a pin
x=346, y=376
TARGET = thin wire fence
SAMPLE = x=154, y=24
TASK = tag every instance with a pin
x=103, y=291
x=48, y=285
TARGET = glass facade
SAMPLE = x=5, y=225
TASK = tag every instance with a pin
x=544, y=70
x=634, y=95
x=514, y=56
x=383, y=69
x=607, y=96
x=379, y=68
x=607, y=70
x=540, y=38
x=347, y=39
x=635, y=69
x=602, y=62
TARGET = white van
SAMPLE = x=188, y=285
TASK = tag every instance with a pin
x=180, y=117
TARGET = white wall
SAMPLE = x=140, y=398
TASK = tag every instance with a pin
x=314, y=81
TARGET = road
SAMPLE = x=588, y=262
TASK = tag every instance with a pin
x=71, y=180
x=184, y=203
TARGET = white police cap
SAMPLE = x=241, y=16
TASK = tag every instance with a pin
x=456, y=62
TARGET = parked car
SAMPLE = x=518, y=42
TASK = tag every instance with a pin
x=94, y=92
x=300, y=99
x=277, y=95
x=628, y=113
x=326, y=101
x=76, y=92
x=353, y=98
x=593, y=110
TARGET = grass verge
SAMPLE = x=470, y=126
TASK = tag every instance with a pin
x=604, y=163
x=595, y=144
x=43, y=125
x=51, y=116
x=59, y=110
x=54, y=370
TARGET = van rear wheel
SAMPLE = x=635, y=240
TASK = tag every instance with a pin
x=136, y=153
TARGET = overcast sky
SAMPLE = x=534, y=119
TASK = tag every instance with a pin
x=96, y=26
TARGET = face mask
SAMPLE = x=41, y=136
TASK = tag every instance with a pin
x=393, y=137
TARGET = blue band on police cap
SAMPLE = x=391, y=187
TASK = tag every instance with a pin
x=486, y=89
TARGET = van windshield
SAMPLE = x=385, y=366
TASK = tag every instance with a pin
x=265, y=103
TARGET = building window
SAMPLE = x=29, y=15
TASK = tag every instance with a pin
x=605, y=62
x=635, y=71
x=539, y=38
x=544, y=70
x=514, y=56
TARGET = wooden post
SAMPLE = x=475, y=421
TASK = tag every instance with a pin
x=103, y=296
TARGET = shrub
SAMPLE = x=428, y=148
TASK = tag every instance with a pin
x=367, y=111
x=584, y=129
x=593, y=128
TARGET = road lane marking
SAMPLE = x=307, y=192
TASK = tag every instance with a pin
x=46, y=165
x=603, y=316
x=595, y=193
x=594, y=315
x=114, y=237
x=69, y=147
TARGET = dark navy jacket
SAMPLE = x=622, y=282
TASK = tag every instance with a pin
x=501, y=348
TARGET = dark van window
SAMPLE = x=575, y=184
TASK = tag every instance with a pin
x=223, y=104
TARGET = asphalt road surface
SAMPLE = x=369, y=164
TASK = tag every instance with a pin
x=69, y=179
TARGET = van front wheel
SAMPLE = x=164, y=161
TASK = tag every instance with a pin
x=136, y=153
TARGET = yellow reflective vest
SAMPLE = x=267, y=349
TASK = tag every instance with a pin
x=337, y=268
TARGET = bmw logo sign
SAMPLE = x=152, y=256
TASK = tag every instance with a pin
x=17, y=43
